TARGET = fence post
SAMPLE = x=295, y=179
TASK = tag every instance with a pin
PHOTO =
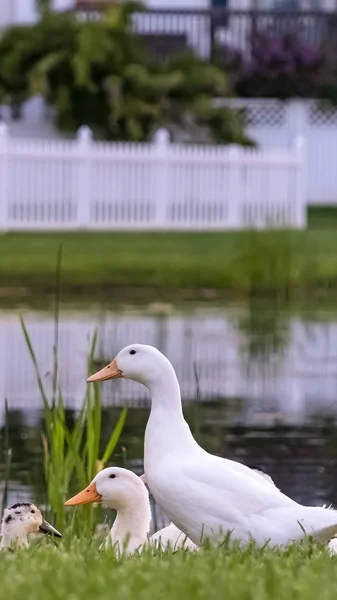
x=234, y=188
x=4, y=180
x=301, y=199
x=297, y=117
x=83, y=176
x=161, y=141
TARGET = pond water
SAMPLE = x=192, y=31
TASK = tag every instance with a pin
x=259, y=385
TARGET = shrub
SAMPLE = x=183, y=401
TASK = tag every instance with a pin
x=284, y=67
x=98, y=73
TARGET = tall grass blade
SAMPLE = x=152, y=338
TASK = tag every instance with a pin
x=56, y=320
x=8, y=459
x=48, y=413
x=74, y=460
x=72, y=455
x=196, y=405
x=113, y=440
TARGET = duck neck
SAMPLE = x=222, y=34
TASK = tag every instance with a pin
x=166, y=425
x=131, y=527
x=165, y=394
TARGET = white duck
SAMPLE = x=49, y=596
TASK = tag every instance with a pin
x=126, y=493
x=174, y=537
x=332, y=547
x=205, y=495
x=170, y=536
x=21, y=520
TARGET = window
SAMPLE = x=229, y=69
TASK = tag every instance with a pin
x=277, y=4
x=286, y=4
x=220, y=3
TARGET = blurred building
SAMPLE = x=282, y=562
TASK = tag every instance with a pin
x=232, y=4
x=24, y=11
x=170, y=26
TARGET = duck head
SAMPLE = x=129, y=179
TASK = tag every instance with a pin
x=19, y=521
x=138, y=362
x=115, y=487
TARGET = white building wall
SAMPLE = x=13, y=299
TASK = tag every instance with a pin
x=287, y=4
x=23, y=11
x=5, y=12
x=178, y=4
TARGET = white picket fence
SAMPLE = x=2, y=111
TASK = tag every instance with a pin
x=83, y=184
x=275, y=124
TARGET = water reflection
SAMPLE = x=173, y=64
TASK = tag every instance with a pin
x=300, y=459
x=267, y=387
x=283, y=366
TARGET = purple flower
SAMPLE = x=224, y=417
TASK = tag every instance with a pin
x=284, y=66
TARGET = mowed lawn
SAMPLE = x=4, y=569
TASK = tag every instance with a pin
x=223, y=261
x=79, y=571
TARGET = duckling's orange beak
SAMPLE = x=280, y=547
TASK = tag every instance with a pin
x=90, y=494
x=111, y=371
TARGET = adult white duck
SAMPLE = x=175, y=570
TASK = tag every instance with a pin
x=171, y=536
x=204, y=495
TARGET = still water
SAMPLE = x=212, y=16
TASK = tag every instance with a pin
x=259, y=385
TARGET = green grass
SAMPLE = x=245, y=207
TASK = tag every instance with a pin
x=78, y=571
x=322, y=217
x=71, y=454
x=161, y=264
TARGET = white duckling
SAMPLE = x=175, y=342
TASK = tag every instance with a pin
x=21, y=520
x=204, y=495
x=125, y=492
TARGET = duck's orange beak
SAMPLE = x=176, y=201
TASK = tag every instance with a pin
x=111, y=371
x=90, y=494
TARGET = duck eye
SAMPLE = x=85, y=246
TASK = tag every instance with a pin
x=132, y=352
x=112, y=476
x=33, y=511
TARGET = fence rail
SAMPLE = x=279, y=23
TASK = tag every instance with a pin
x=82, y=184
x=274, y=124
x=207, y=30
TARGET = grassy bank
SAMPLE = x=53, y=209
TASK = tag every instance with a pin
x=79, y=571
x=163, y=264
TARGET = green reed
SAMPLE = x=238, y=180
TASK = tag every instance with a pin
x=8, y=459
x=72, y=456
x=269, y=262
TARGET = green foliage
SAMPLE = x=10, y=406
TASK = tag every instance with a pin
x=43, y=6
x=6, y=456
x=98, y=73
x=173, y=263
x=23, y=48
x=76, y=569
x=72, y=455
